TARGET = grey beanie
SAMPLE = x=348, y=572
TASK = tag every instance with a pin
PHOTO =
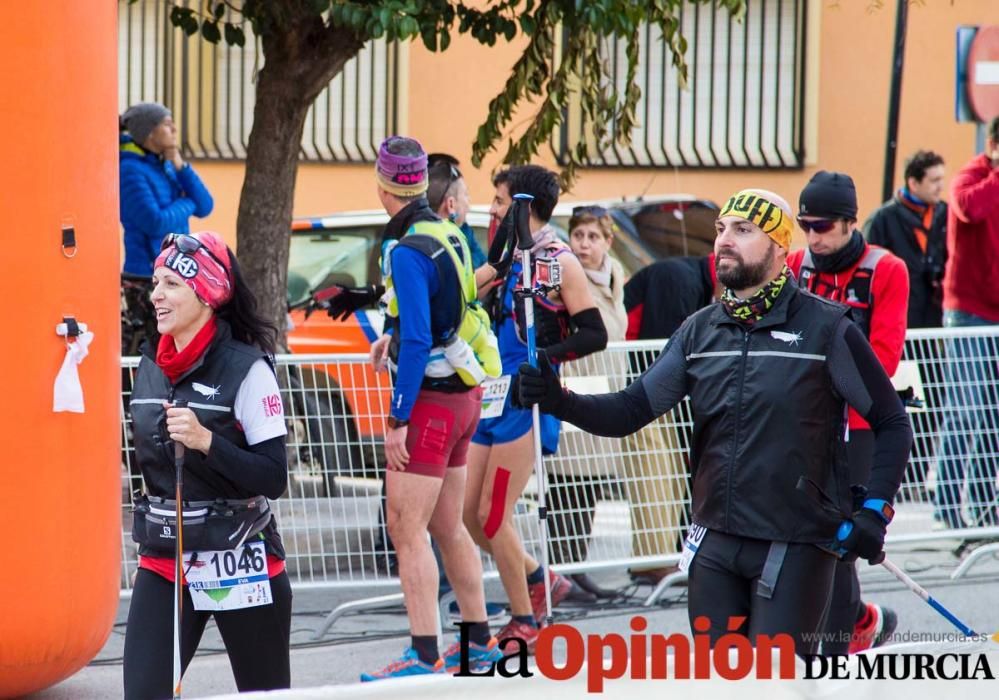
x=141, y=119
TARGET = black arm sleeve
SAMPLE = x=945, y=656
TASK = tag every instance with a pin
x=655, y=392
x=860, y=379
x=261, y=468
x=590, y=336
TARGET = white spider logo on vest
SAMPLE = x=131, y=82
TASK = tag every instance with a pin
x=791, y=339
x=209, y=392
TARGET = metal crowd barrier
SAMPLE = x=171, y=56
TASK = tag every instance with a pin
x=614, y=503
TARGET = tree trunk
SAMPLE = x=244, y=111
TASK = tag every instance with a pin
x=300, y=59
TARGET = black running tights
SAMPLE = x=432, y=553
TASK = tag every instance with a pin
x=256, y=639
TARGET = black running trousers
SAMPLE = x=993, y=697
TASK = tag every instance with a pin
x=256, y=639
x=722, y=584
x=846, y=606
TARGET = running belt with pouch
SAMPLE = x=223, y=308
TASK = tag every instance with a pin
x=208, y=525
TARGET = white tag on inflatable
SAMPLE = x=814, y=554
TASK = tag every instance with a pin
x=67, y=394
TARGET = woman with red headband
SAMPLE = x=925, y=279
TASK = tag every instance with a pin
x=209, y=386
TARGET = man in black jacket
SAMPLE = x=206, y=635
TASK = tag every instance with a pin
x=913, y=226
x=660, y=296
x=767, y=371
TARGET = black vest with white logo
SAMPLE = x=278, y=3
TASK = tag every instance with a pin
x=856, y=293
x=768, y=425
x=210, y=389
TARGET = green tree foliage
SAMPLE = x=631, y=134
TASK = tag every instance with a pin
x=306, y=43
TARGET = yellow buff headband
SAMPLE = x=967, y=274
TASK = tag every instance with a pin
x=766, y=214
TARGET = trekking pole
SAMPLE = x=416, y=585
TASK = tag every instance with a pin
x=525, y=241
x=924, y=594
x=178, y=572
x=844, y=532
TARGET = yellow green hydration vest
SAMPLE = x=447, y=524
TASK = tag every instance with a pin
x=471, y=350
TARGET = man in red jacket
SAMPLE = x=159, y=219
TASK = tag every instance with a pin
x=971, y=298
x=840, y=265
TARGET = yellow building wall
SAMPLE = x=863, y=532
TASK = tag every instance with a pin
x=849, y=54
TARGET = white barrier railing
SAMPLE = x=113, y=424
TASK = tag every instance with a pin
x=614, y=503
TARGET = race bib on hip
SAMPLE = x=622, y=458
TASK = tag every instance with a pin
x=494, y=393
x=229, y=579
x=695, y=535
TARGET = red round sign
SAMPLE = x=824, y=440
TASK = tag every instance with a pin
x=983, y=74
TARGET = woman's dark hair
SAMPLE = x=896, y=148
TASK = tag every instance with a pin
x=241, y=313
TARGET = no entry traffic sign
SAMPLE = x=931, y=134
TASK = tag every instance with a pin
x=983, y=74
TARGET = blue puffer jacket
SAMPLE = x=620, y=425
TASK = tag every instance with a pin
x=156, y=199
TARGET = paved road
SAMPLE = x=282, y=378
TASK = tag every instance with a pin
x=364, y=642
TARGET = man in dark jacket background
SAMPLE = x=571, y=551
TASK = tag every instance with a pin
x=913, y=226
x=660, y=296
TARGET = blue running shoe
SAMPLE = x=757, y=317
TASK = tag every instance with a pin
x=408, y=664
x=480, y=658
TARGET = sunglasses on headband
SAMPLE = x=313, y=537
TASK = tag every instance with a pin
x=453, y=173
x=188, y=245
x=817, y=225
x=591, y=209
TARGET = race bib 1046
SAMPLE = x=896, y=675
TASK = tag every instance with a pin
x=229, y=579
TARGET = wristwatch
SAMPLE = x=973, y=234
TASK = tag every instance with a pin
x=881, y=507
x=392, y=422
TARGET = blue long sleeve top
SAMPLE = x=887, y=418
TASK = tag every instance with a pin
x=155, y=199
x=426, y=311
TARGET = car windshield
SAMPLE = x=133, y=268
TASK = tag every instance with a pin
x=321, y=258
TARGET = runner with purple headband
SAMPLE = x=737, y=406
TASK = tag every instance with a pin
x=433, y=415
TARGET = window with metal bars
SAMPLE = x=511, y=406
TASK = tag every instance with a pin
x=211, y=89
x=744, y=101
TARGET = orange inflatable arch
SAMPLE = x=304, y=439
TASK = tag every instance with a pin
x=59, y=497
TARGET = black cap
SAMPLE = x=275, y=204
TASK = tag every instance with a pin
x=830, y=195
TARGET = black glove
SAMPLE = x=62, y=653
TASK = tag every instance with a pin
x=342, y=303
x=537, y=385
x=866, y=537
x=500, y=256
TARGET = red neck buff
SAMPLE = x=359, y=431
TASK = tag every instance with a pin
x=174, y=363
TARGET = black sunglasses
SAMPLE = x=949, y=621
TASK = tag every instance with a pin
x=592, y=209
x=818, y=225
x=188, y=245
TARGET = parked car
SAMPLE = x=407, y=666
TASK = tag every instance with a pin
x=337, y=411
